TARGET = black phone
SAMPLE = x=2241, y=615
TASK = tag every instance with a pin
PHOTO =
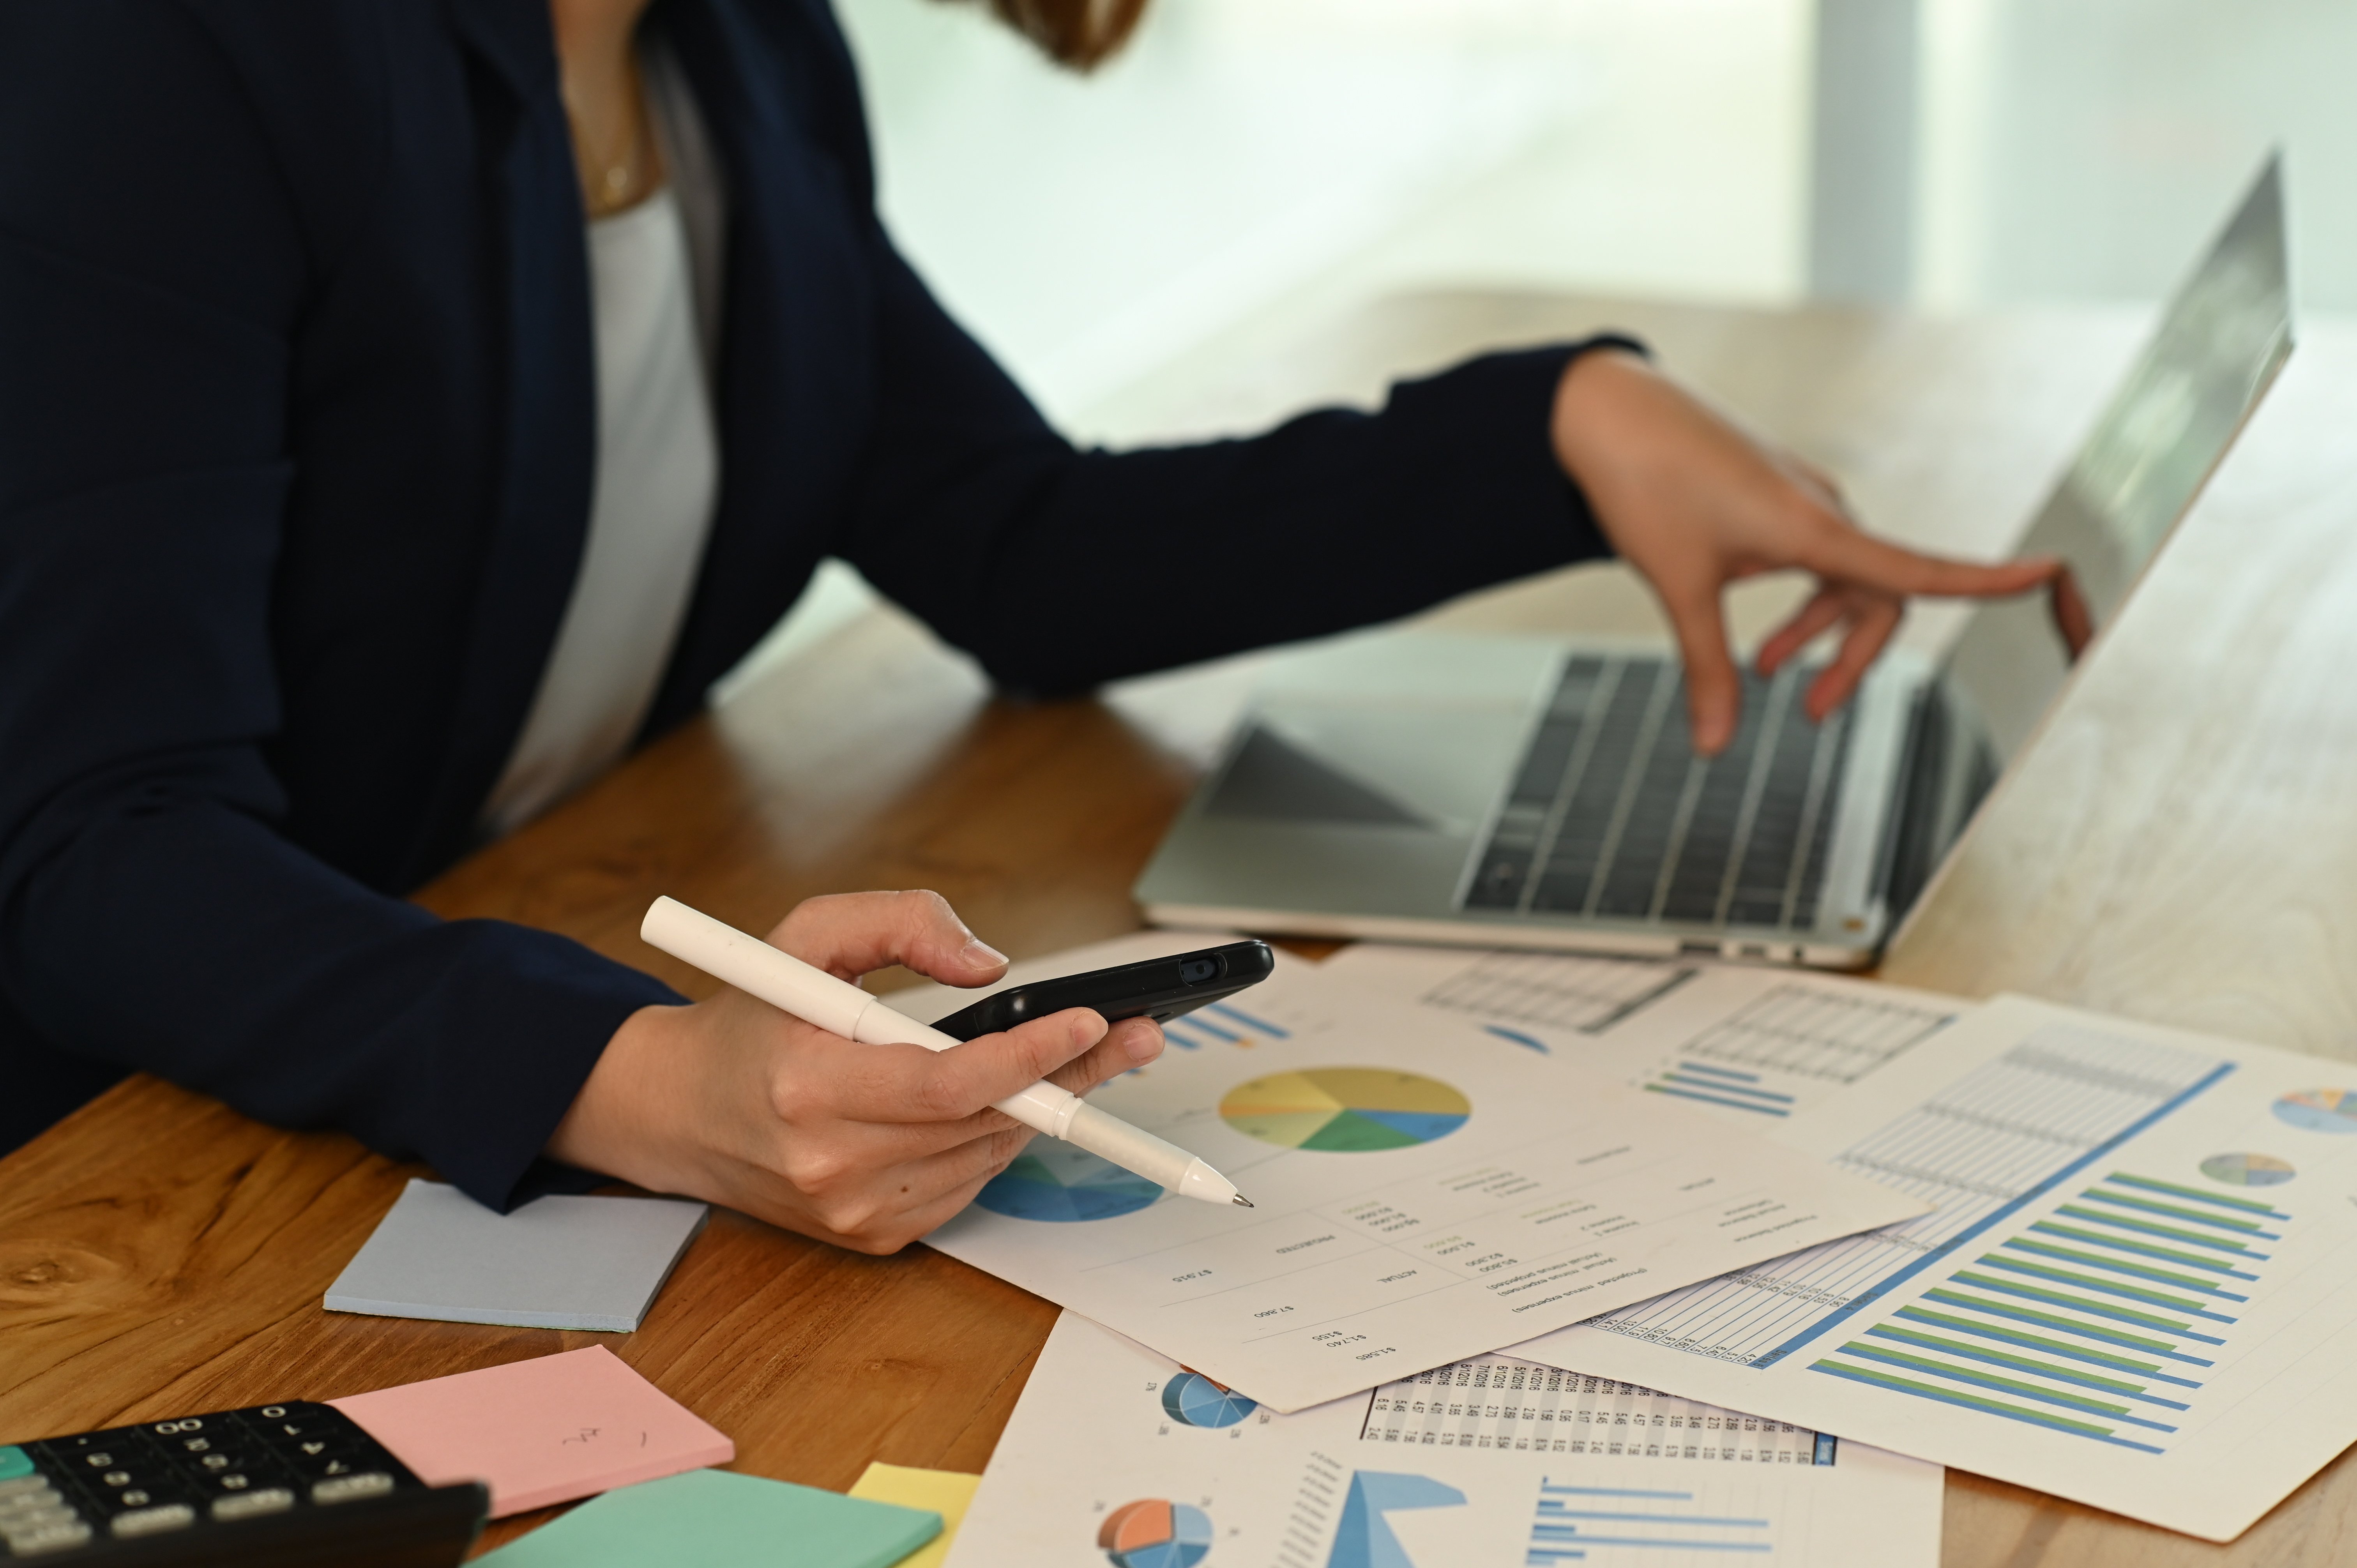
x=1159, y=989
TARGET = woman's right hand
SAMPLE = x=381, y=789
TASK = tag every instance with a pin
x=866, y=1146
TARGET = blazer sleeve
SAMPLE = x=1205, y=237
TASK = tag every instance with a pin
x=1059, y=568
x=151, y=915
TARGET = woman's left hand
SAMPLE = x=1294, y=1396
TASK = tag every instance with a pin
x=1693, y=504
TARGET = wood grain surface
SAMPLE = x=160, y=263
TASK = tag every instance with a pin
x=2181, y=846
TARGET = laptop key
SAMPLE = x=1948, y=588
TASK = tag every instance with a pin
x=1612, y=814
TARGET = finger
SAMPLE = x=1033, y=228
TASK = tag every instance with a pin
x=891, y=1085
x=1870, y=629
x=1825, y=608
x=1128, y=1045
x=1133, y=1043
x=851, y=933
x=2072, y=619
x=914, y=1197
x=1714, y=690
x=1849, y=555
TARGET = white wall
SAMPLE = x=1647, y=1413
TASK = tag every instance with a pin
x=2084, y=149
x=1245, y=155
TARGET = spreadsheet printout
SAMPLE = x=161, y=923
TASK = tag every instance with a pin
x=2134, y=1288
x=1754, y=1045
x=1116, y=1453
x=1424, y=1191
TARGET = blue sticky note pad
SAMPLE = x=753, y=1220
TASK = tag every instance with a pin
x=715, y=1519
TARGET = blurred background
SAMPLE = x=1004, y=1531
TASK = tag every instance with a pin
x=1248, y=168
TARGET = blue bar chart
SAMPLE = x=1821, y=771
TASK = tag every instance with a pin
x=2097, y=1321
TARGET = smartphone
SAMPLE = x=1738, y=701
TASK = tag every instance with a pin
x=1159, y=988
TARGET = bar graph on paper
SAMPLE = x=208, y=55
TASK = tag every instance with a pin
x=1579, y=1524
x=1980, y=1150
x=1768, y=1055
x=2098, y=1321
x=1219, y=1023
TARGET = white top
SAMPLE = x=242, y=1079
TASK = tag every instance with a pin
x=651, y=508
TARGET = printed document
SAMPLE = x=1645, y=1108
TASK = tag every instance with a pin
x=1424, y=1191
x=1488, y=1463
x=1754, y=1045
x=2136, y=1290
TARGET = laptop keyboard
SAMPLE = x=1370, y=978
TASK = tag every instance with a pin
x=1612, y=815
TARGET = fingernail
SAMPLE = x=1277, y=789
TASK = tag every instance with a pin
x=1144, y=1045
x=981, y=954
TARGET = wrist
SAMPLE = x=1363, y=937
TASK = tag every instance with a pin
x=1599, y=414
x=613, y=1125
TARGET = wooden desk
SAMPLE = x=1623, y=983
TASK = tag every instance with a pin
x=2183, y=847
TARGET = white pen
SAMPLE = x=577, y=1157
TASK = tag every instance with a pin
x=814, y=996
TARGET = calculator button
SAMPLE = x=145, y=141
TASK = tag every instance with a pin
x=15, y=1464
x=48, y=1538
x=44, y=1504
x=246, y=1505
x=154, y=1520
x=345, y=1488
x=334, y=1463
x=17, y=1485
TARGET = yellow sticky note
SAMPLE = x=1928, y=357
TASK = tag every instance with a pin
x=946, y=1492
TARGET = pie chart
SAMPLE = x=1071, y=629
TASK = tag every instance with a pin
x=1347, y=1110
x=1194, y=1400
x=1059, y=1183
x=1153, y=1533
x=2248, y=1170
x=2319, y=1110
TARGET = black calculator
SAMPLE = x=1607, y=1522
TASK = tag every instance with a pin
x=275, y=1485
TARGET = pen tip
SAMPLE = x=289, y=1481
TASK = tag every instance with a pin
x=1243, y=1202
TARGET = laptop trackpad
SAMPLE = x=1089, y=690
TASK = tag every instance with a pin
x=1433, y=769
x=1275, y=780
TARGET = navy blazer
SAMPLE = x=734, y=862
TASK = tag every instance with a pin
x=296, y=434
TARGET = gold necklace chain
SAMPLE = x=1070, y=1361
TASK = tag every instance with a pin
x=616, y=180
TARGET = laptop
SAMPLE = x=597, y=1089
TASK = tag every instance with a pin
x=1542, y=793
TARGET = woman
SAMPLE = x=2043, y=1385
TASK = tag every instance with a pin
x=407, y=407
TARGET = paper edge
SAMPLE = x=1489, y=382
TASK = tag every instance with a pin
x=584, y=1322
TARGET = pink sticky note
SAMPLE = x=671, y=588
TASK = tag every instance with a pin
x=539, y=1431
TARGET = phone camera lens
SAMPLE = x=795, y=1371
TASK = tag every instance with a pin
x=1196, y=970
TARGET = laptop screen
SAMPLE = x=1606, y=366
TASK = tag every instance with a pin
x=2219, y=345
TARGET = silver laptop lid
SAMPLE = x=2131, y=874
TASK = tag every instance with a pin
x=2219, y=343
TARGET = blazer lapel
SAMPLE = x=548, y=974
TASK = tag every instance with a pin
x=796, y=378
x=539, y=272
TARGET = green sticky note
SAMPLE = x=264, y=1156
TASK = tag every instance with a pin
x=15, y=1461
x=715, y=1519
